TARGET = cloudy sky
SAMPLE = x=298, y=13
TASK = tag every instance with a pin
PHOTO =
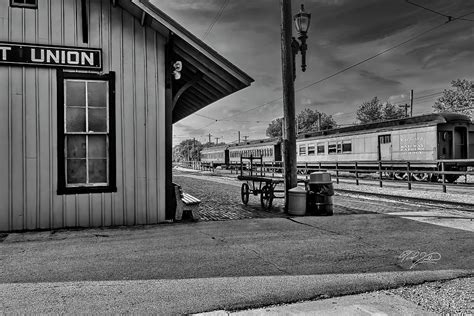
x=342, y=33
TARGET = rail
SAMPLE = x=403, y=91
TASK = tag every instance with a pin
x=409, y=172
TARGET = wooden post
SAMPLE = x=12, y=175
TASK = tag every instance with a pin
x=443, y=176
x=289, y=141
x=408, y=175
x=356, y=174
x=380, y=173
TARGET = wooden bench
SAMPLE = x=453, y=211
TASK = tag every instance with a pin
x=186, y=202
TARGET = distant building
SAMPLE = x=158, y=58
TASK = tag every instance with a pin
x=88, y=97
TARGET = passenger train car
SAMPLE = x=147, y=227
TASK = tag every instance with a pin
x=217, y=155
x=423, y=139
x=269, y=149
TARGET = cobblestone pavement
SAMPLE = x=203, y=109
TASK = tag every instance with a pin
x=221, y=200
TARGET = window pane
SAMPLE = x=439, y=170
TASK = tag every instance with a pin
x=30, y=1
x=75, y=119
x=347, y=147
x=75, y=93
x=97, y=170
x=76, y=171
x=76, y=146
x=97, y=146
x=320, y=149
x=97, y=93
x=98, y=120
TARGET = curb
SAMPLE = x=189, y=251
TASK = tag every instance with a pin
x=409, y=198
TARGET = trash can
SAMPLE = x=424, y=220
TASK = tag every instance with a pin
x=320, y=192
x=297, y=201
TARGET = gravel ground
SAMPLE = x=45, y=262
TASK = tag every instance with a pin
x=442, y=297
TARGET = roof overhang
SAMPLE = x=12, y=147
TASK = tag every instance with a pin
x=206, y=76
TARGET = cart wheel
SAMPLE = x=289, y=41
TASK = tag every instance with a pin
x=245, y=193
x=266, y=197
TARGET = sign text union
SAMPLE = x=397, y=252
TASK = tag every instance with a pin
x=50, y=56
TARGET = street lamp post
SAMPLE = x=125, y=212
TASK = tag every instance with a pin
x=289, y=49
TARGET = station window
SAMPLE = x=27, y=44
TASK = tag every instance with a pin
x=302, y=150
x=346, y=147
x=332, y=148
x=32, y=4
x=311, y=150
x=86, y=133
x=320, y=149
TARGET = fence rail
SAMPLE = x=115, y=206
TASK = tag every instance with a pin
x=381, y=171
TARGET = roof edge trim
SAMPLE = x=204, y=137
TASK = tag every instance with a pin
x=202, y=47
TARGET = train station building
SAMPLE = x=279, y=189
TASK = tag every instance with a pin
x=89, y=91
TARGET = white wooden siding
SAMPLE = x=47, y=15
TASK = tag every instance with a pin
x=28, y=120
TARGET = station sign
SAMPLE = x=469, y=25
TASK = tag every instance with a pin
x=50, y=56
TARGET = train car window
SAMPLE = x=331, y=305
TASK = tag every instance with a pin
x=320, y=149
x=385, y=139
x=311, y=150
x=302, y=150
x=339, y=148
x=346, y=147
x=332, y=148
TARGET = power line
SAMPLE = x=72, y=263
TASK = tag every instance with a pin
x=217, y=17
x=345, y=69
x=355, y=65
x=428, y=95
x=450, y=18
x=334, y=74
x=371, y=57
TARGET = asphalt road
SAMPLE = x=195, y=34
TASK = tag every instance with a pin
x=227, y=250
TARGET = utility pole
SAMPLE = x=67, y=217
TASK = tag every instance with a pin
x=411, y=103
x=238, y=137
x=319, y=121
x=194, y=143
x=406, y=109
x=209, y=138
x=289, y=141
x=217, y=140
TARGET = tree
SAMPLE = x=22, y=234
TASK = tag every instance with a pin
x=393, y=112
x=460, y=100
x=375, y=111
x=274, y=129
x=309, y=120
x=306, y=121
x=188, y=149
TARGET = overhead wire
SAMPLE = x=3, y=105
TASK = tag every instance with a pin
x=337, y=72
x=217, y=17
x=450, y=17
x=342, y=70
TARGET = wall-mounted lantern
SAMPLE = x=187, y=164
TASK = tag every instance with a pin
x=302, y=20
